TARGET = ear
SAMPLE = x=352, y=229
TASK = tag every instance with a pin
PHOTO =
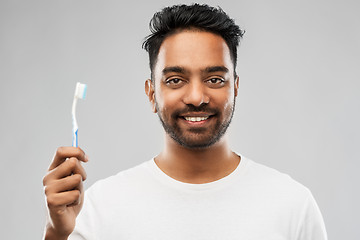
x=150, y=92
x=236, y=86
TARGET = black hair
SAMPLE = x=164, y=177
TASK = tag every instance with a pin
x=196, y=16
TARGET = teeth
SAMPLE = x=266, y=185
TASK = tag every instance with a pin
x=195, y=119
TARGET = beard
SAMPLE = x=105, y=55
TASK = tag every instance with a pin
x=196, y=137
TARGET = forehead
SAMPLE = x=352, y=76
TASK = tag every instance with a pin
x=193, y=50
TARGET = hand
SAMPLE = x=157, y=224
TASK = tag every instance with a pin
x=64, y=191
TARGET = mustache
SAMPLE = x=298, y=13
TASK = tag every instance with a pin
x=192, y=109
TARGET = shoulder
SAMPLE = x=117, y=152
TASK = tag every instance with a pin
x=270, y=179
x=128, y=179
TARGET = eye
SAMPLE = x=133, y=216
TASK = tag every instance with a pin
x=215, y=82
x=174, y=82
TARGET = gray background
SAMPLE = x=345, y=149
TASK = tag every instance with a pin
x=298, y=108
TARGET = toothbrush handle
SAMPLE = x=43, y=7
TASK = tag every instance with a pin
x=75, y=138
x=74, y=124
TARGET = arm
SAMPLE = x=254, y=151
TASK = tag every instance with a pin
x=311, y=226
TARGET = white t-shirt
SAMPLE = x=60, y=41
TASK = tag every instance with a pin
x=254, y=202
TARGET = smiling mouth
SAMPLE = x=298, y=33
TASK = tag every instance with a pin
x=196, y=119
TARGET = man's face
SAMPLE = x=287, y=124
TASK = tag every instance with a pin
x=194, y=88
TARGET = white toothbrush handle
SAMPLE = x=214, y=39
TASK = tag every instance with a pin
x=74, y=123
x=75, y=137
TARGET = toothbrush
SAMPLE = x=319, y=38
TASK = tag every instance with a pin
x=80, y=93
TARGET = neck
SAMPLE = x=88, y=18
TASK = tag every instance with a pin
x=197, y=165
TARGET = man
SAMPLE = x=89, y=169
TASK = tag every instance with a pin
x=197, y=187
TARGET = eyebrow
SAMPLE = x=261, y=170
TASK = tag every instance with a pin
x=175, y=69
x=178, y=69
x=215, y=69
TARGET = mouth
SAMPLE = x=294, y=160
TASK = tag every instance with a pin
x=196, y=119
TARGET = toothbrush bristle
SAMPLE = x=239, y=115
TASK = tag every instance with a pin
x=80, y=90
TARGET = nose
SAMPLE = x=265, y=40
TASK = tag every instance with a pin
x=196, y=94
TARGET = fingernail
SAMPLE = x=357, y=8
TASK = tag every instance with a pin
x=86, y=158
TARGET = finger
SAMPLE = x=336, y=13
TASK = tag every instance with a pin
x=63, y=198
x=62, y=153
x=67, y=168
x=80, y=187
x=78, y=169
x=65, y=184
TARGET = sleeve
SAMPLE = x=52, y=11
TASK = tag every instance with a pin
x=311, y=225
x=86, y=227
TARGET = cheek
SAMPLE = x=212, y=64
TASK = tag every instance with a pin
x=167, y=100
x=228, y=107
x=224, y=99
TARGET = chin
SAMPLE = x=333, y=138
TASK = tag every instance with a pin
x=196, y=143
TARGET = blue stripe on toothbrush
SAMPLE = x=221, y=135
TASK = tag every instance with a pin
x=75, y=136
